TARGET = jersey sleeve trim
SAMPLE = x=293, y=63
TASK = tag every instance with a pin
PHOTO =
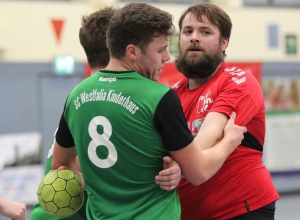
x=63, y=135
x=170, y=122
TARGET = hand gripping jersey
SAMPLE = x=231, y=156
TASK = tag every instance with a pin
x=122, y=125
x=243, y=183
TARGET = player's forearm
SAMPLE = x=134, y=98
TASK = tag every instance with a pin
x=215, y=157
x=64, y=157
x=206, y=141
x=209, y=137
x=211, y=131
x=70, y=163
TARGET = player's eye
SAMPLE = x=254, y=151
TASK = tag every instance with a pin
x=187, y=31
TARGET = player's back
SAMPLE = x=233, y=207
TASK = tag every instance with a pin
x=111, y=118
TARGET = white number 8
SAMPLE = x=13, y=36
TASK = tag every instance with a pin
x=103, y=141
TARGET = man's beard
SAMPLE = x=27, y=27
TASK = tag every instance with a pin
x=197, y=66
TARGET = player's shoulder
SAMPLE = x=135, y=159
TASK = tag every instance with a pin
x=238, y=76
x=151, y=86
x=180, y=84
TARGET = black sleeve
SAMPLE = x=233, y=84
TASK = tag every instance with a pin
x=63, y=135
x=170, y=122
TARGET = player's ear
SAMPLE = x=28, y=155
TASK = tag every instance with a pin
x=132, y=52
x=224, y=43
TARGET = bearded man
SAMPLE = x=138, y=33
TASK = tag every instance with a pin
x=212, y=89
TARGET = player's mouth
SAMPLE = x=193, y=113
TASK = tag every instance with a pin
x=195, y=50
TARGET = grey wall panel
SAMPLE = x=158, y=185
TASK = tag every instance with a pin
x=32, y=98
x=53, y=92
x=18, y=108
x=281, y=69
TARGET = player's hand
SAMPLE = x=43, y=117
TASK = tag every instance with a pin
x=13, y=210
x=233, y=132
x=77, y=172
x=169, y=177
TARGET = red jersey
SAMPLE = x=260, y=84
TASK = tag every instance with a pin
x=243, y=183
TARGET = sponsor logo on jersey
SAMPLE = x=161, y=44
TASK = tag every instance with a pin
x=195, y=126
x=107, y=79
x=204, y=102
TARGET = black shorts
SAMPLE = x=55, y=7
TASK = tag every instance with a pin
x=265, y=213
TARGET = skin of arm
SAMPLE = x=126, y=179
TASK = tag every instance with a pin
x=64, y=157
x=13, y=210
x=211, y=131
x=199, y=165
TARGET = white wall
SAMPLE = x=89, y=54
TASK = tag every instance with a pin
x=249, y=37
x=26, y=34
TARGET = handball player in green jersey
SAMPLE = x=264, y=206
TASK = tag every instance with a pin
x=120, y=123
x=98, y=56
x=96, y=24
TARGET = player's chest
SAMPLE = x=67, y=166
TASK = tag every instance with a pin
x=197, y=103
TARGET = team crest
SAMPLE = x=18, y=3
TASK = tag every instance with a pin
x=204, y=102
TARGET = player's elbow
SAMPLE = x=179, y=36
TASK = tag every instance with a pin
x=197, y=182
x=198, y=179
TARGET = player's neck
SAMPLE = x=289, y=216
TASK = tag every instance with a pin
x=96, y=69
x=194, y=83
x=118, y=64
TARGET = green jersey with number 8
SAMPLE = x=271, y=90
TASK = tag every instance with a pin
x=122, y=125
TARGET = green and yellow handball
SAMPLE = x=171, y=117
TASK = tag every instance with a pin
x=60, y=193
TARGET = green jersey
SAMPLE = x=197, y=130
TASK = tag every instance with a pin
x=122, y=125
x=38, y=213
